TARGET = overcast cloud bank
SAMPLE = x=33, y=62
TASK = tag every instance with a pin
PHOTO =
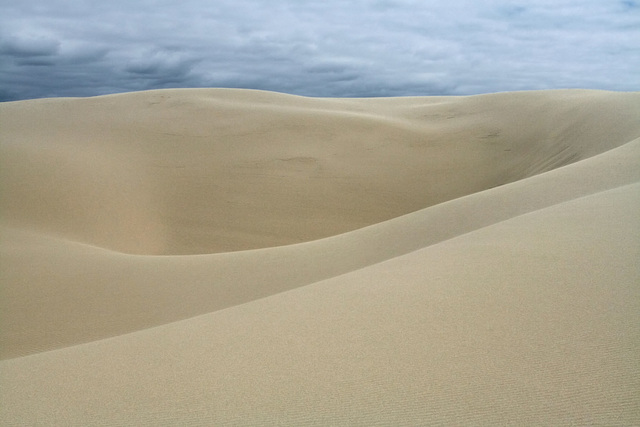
x=51, y=48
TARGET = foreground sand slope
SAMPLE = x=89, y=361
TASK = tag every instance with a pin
x=237, y=257
x=530, y=321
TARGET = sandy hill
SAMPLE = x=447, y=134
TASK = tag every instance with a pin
x=236, y=257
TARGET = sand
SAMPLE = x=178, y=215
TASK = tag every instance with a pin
x=239, y=257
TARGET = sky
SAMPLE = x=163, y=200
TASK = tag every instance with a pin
x=325, y=48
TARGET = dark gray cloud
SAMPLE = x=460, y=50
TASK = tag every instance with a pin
x=29, y=47
x=329, y=48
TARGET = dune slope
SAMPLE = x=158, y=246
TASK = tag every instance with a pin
x=243, y=257
x=204, y=171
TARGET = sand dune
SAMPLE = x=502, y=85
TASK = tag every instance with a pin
x=236, y=257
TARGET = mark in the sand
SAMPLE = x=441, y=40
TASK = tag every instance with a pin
x=300, y=160
x=490, y=135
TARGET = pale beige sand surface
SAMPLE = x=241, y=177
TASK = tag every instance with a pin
x=233, y=257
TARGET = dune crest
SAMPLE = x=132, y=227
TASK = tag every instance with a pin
x=274, y=259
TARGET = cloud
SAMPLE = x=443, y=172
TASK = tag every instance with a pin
x=329, y=48
x=26, y=47
x=160, y=65
x=630, y=4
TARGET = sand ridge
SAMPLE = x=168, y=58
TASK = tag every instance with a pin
x=341, y=261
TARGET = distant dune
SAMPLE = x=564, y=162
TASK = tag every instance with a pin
x=238, y=257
